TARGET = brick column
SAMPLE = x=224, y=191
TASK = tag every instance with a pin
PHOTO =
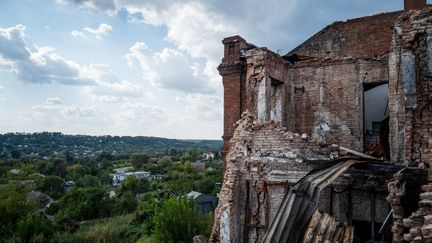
x=233, y=72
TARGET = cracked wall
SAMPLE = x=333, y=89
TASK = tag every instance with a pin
x=410, y=88
x=264, y=161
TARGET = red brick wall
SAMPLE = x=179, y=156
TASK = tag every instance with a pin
x=414, y=4
x=232, y=70
x=330, y=93
x=365, y=36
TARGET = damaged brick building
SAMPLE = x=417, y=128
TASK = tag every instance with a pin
x=297, y=129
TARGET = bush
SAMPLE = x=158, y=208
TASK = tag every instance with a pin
x=85, y=203
x=179, y=221
x=35, y=228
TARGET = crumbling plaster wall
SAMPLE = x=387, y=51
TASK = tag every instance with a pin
x=410, y=87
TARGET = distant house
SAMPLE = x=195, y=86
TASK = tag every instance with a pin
x=208, y=156
x=123, y=169
x=15, y=171
x=158, y=177
x=204, y=202
x=69, y=185
x=118, y=178
x=198, y=164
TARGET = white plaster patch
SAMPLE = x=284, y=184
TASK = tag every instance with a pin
x=429, y=53
x=225, y=227
x=262, y=104
x=276, y=103
x=409, y=79
x=321, y=130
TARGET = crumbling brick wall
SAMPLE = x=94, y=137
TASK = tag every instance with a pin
x=354, y=38
x=410, y=87
x=321, y=97
x=266, y=72
x=327, y=97
x=264, y=161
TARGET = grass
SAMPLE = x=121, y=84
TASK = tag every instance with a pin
x=116, y=229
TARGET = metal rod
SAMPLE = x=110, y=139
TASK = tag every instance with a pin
x=372, y=216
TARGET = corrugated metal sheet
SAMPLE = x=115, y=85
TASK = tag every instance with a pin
x=300, y=203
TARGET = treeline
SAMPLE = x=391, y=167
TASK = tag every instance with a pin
x=48, y=143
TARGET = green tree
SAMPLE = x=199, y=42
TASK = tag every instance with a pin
x=77, y=171
x=148, y=205
x=127, y=203
x=131, y=184
x=105, y=156
x=85, y=203
x=15, y=154
x=138, y=160
x=13, y=207
x=179, y=221
x=89, y=181
x=135, y=185
x=164, y=161
x=172, y=152
x=69, y=157
x=35, y=228
x=53, y=186
x=185, y=158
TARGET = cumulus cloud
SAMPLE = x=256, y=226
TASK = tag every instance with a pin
x=101, y=73
x=203, y=107
x=37, y=64
x=106, y=6
x=189, y=22
x=169, y=69
x=62, y=112
x=117, y=92
x=101, y=31
x=78, y=34
x=142, y=114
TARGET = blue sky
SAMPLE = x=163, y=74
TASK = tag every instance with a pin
x=130, y=67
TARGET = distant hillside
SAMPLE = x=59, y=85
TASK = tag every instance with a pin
x=49, y=143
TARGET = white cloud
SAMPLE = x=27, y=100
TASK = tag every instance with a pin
x=53, y=101
x=106, y=6
x=77, y=33
x=203, y=107
x=117, y=92
x=37, y=64
x=191, y=26
x=59, y=112
x=101, y=31
x=168, y=69
x=101, y=73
